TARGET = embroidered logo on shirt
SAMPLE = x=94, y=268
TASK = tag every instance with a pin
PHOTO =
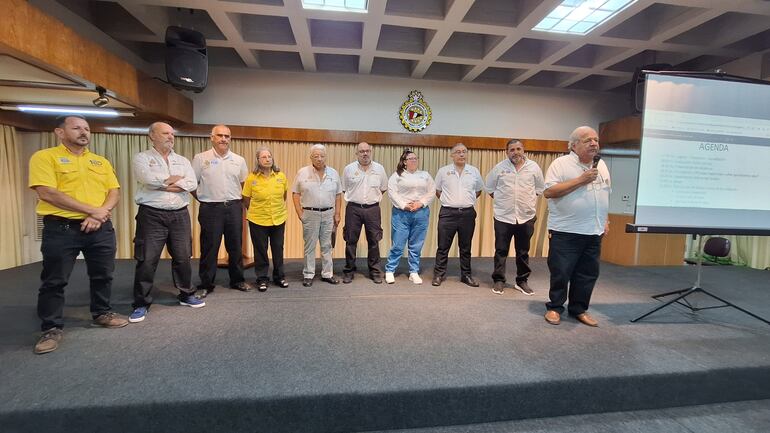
x=64, y=160
x=153, y=163
x=95, y=162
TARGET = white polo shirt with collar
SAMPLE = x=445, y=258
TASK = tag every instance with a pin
x=458, y=188
x=584, y=210
x=364, y=186
x=317, y=192
x=219, y=177
x=515, y=191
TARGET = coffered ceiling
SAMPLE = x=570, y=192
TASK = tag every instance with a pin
x=487, y=41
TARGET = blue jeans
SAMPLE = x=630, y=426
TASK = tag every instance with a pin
x=411, y=227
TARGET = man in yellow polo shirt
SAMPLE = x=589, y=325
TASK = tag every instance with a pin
x=77, y=191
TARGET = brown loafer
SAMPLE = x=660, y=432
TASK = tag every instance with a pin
x=552, y=317
x=585, y=319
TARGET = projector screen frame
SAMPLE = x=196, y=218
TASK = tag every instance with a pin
x=660, y=229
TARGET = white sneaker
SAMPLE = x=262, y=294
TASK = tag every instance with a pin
x=389, y=278
x=415, y=278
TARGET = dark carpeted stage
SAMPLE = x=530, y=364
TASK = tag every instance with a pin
x=362, y=356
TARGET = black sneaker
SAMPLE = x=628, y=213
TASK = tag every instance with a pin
x=498, y=288
x=242, y=286
x=262, y=286
x=523, y=287
x=330, y=280
x=347, y=278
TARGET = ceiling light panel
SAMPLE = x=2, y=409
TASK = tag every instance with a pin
x=580, y=16
x=359, y=6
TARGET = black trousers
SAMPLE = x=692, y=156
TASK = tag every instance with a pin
x=573, y=261
x=156, y=228
x=260, y=235
x=62, y=242
x=521, y=234
x=370, y=218
x=453, y=221
x=216, y=220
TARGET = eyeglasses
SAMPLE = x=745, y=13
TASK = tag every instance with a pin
x=411, y=158
x=460, y=152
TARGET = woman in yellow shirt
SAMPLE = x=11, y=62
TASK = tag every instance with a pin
x=264, y=195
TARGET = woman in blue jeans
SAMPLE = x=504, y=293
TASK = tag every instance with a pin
x=411, y=191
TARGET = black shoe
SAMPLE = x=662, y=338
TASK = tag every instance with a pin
x=437, y=280
x=307, y=282
x=262, y=285
x=242, y=286
x=331, y=280
x=347, y=278
x=202, y=293
x=467, y=279
x=498, y=288
x=524, y=288
x=377, y=279
x=281, y=283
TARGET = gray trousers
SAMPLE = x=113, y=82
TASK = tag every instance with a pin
x=317, y=228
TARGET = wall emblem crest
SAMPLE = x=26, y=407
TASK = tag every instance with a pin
x=415, y=114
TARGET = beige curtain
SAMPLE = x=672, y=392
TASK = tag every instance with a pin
x=752, y=251
x=291, y=156
x=11, y=184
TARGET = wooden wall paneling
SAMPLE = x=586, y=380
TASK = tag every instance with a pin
x=31, y=35
x=652, y=249
x=393, y=138
x=619, y=247
x=675, y=246
x=640, y=249
x=626, y=130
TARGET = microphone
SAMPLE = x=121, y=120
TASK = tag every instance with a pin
x=597, y=157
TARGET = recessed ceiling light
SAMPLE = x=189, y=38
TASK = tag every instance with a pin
x=580, y=16
x=359, y=6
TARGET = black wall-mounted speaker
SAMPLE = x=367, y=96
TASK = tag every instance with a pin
x=187, y=63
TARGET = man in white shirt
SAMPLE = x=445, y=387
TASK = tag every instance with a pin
x=458, y=185
x=317, y=197
x=220, y=174
x=514, y=184
x=363, y=182
x=578, y=188
x=165, y=180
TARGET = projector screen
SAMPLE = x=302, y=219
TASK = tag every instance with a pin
x=704, y=165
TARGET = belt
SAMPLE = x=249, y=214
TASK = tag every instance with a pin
x=162, y=210
x=362, y=206
x=318, y=209
x=457, y=208
x=220, y=203
x=58, y=219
